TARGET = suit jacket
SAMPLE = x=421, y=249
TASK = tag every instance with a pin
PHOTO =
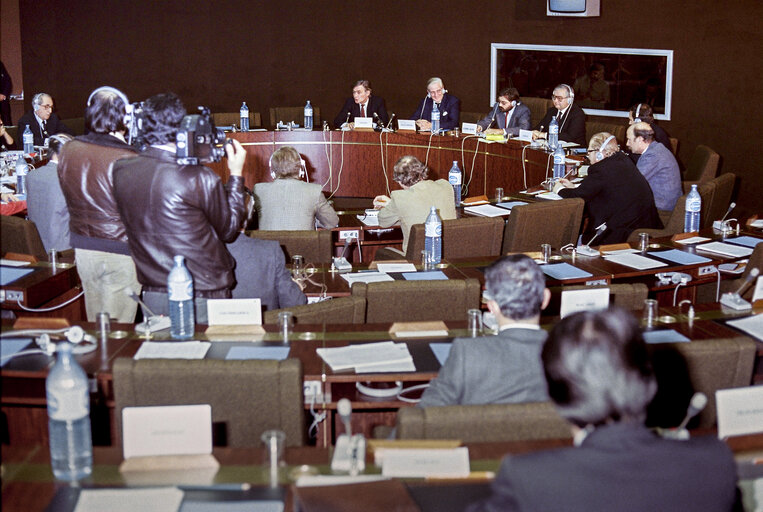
x=498, y=369
x=412, y=206
x=660, y=135
x=54, y=126
x=660, y=168
x=615, y=192
x=291, y=204
x=375, y=106
x=450, y=111
x=571, y=127
x=47, y=207
x=622, y=467
x=260, y=272
x=520, y=119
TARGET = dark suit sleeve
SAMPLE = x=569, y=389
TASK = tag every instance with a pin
x=543, y=125
x=288, y=292
x=520, y=120
x=587, y=190
x=453, y=110
x=380, y=108
x=502, y=496
x=447, y=388
x=58, y=126
x=342, y=115
x=574, y=128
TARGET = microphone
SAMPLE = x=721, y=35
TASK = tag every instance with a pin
x=696, y=405
x=347, y=120
x=421, y=113
x=720, y=224
x=135, y=297
x=585, y=249
x=378, y=121
x=154, y=322
x=349, y=452
x=492, y=118
x=734, y=300
x=390, y=121
x=344, y=408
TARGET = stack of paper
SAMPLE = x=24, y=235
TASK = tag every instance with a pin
x=487, y=210
x=366, y=277
x=734, y=251
x=385, y=356
x=173, y=350
x=635, y=261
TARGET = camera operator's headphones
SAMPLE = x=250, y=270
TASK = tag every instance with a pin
x=636, y=118
x=599, y=154
x=127, y=119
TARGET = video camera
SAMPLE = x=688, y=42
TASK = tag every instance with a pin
x=198, y=140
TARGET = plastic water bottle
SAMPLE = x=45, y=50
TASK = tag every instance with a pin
x=553, y=134
x=693, y=208
x=559, y=166
x=435, y=118
x=28, y=138
x=244, y=113
x=180, y=290
x=433, y=236
x=308, y=116
x=71, y=445
x=454, y=177
x=21, y=171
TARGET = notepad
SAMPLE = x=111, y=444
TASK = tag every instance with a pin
x=429, y=275
x=511, y=204
x=173, y=350
x=731, y=250
x=550, y=195
x=487, y=210
x=680, y=257
x=441, y=351
x=128, y=500
x=383, y=354
x=747, y=241
x=272, y=353
x=366, y=277
x=635, y=261
x=564, y=271
x=665, y=336
x=11, y=274
x=752, y=325
x=692, y=240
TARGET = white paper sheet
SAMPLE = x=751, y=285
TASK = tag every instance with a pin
x=487, y=210
x=692, y=240
x=752, y=325
x=173, y=350
x=129, y=500
x=395, y=267
x=421, y=463
x=635, y=261
x=731, y=250
x=366, y=277
x=372, y=355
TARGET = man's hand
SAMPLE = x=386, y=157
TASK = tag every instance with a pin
x=236, y=156
x=538, y=135
x=3, y=97
x=562, y=183
x=423, y=124
x=380, y=202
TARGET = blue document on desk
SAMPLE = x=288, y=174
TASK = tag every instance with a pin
x=11, y=346
x=232, y=506
x=10, y=274
x=441, y=351
x=276, y=353
x=431, y=275
x=747, y=241
x=564, y=271
x=680, y=257
x=665, y=336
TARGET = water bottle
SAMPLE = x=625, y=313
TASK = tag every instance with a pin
x=180, y=290
x=28, y=138
x=308, y=116
x=435, y=118
x=244, y=113
x=559, y=166
x=693, y=207
x=454, y=177
x=433, y=236
x=71, y=446
x=21, y=171
x=553, y=134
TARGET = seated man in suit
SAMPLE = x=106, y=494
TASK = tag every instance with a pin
x=448, y=105
x=657, y=164
x=288, y=203
x=41, y=120
x=260, y=271
x=505, y=368
x=642, y=112
x=570, y=117
x=362, y=104
x=601, y=380
x=510, y=115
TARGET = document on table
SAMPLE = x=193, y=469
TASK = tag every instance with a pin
x=747, y=241
x=384, y=354
x=277, y=353
x=11, y=346
x=564, y=271
x=487, y=210
x=369, y=220
x=128, y=500
x=550, y=195
x=635, y=261
x=173, y=350
x=441, y=351
x=395, y=267
x=429, y=275
x=692, y=240
x=680, y=257
x=510, y=204
x=752, y=325
x=232, y=506
x=665, y=336
x=422, y=463
x=11, y=274
x=734, y=251
x=366, y=277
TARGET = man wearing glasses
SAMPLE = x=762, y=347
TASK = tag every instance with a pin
x=41, y=120
x=570, y=117
x=448, y=105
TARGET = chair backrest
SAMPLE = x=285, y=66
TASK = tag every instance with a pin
x=626, y=296
x=413, y=301
x=703, y=165
x=342, y=310
x=234, y=118
x=720, y=200
x=560, y=221
x=471, y=117
x=702, y=365
x=674, y=145
x=461, y=238
x=296, y=114
x=538, y=108
x=315, y=245
x=21, y=236
x=247, y=397
x=482, y=423
x=76, y=125
x=594, y=127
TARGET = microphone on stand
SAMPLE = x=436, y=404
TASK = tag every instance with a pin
x=378, y=121
x=585, y=249
x=720, y=224
x=421, y=113
x=344, y=408
x=696, y=405
x=734, y=300
x=391, y=118
x=492, y=118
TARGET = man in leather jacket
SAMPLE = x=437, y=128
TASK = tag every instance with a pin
x=171, y=209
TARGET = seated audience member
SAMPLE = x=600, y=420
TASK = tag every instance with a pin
x=512, y=115
x=411, y=205
x=657, y=164
x=41, y=120
x=601, y=381
x=448, y=105
x=288, y=203
x=591, y=90
x=261, y=272
x=362, y=104
x=6, y=141
x=505, y=368
x=45, y=201
x=642, y=113
x=614, y=191
x=569, y=115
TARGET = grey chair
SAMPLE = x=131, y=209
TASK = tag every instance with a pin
x=21, y=236
x=247, y=397
x=703, y=165
x=720, y=199
x=543, y=222
x=341, y=310
x=315, y=245
x=538, y=108
x=594, y=127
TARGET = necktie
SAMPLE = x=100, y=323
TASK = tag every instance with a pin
x=506, y=123
x=362, y=111
x=44, y=129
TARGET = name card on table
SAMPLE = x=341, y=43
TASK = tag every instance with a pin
x=167, y=430
x=234, y=312
x=406, y=124
x=364, y=122
x=740, y=411
x=469, y=128
x=583, y=300
x=423, y=463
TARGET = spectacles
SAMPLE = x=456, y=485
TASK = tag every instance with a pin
x=47, y=107
x=558, y=98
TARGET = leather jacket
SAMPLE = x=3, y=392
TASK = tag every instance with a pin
x=85, y=170
x=170, y=209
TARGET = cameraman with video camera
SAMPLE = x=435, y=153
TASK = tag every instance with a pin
x=172, y=209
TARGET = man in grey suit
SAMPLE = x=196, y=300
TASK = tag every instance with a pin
x=505, y=368
x=657, y=164
x=508, y=116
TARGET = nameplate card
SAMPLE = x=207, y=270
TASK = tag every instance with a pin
x=167, y=430
x=583, y=300
x=406, y=124
x=364, y=122
x=426, y=463
x=234, y=312
x=469, y=128
x=740, y=411
x=525, y=135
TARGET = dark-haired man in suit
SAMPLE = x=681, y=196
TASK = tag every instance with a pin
x=511, y=115
x=362, y=104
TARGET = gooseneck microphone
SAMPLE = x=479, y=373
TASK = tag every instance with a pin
x=347, y=120
x=585, y=249
x=391, y=118
x=492, y=118
x=696, y=405
x=731, y=207
x=424, y=104
x=344, y=408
